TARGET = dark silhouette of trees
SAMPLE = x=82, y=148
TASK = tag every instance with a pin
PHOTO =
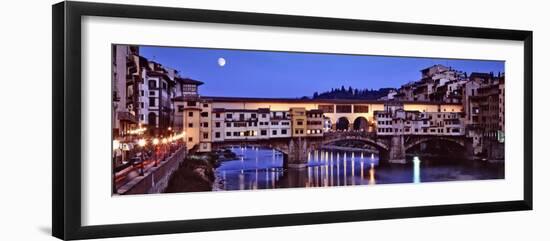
x=350, y=93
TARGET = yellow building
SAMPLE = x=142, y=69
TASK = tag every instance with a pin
x=205, y=136
x=299, y=121
x=191, y=122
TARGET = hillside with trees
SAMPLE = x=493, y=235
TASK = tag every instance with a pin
x=351, y=93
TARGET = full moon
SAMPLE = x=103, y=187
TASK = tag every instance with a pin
x=221, y=62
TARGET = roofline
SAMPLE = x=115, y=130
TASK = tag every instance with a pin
x=327, y=101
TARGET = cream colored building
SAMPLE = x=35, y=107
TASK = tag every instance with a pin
x=314, y=123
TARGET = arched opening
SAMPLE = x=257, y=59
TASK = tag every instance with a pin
x=437, y=147
x=342, y=123
x=360, y=124
x=152, y=119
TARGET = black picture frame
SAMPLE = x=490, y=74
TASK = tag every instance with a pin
x=66, y=127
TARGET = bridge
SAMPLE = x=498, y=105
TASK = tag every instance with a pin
x=391, y=149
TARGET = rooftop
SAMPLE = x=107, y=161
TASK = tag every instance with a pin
x=312, y=101
x=188, y=81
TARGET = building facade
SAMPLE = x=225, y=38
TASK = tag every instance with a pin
x=125, y=112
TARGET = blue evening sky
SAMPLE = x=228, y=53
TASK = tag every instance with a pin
x=291, y=75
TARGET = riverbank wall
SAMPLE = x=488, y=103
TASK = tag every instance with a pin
x=155, y=180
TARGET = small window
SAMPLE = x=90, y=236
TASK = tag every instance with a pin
x=180, y=108
x=152, y=102
x=228, y=124
x=152, y=84
x=190, y=113
x=228, y=133
x=217, y=135
x=283, y=132
x=218, y=124
x=190, y=125
x=205, y=135
x=204, y=105
x=204, y=114
x=151, y=92
x=217, y=115
x=190, y=139
x=205, y=124
x=263, y=132
x=274, y=132
x=228, y=116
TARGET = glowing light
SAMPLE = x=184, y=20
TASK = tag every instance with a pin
x=164, y=140
x=137, y=131
x=116, y=144
x=142, y=142
x=416, y=170
x=155, y=141
x=372, y=180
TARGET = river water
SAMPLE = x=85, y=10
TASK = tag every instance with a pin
x=258, y=168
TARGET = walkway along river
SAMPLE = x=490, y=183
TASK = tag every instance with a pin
x=260, y=168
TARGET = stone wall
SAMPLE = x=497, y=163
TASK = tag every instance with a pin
x=155, y=180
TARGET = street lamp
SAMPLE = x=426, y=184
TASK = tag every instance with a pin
x=142, y=144
x=155, y=143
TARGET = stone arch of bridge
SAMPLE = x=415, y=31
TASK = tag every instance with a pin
x=418, y=141
x=381, y=146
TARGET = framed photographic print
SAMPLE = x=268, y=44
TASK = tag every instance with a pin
x=170, y=120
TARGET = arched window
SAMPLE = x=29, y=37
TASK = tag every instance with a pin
x=360, y=123
x=342, y=123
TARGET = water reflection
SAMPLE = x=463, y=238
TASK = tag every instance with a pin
x=416, y=169
x=257, y=168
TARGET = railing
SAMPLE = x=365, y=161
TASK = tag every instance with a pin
x=355, y=134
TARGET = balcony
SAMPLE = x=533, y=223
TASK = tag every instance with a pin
x=127, y=116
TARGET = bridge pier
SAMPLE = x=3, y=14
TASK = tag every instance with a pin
x=396, y=150
x=297, y=153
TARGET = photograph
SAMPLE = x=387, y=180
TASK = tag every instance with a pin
x=192, y=119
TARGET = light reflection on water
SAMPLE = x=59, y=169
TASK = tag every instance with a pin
x=257, y=168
